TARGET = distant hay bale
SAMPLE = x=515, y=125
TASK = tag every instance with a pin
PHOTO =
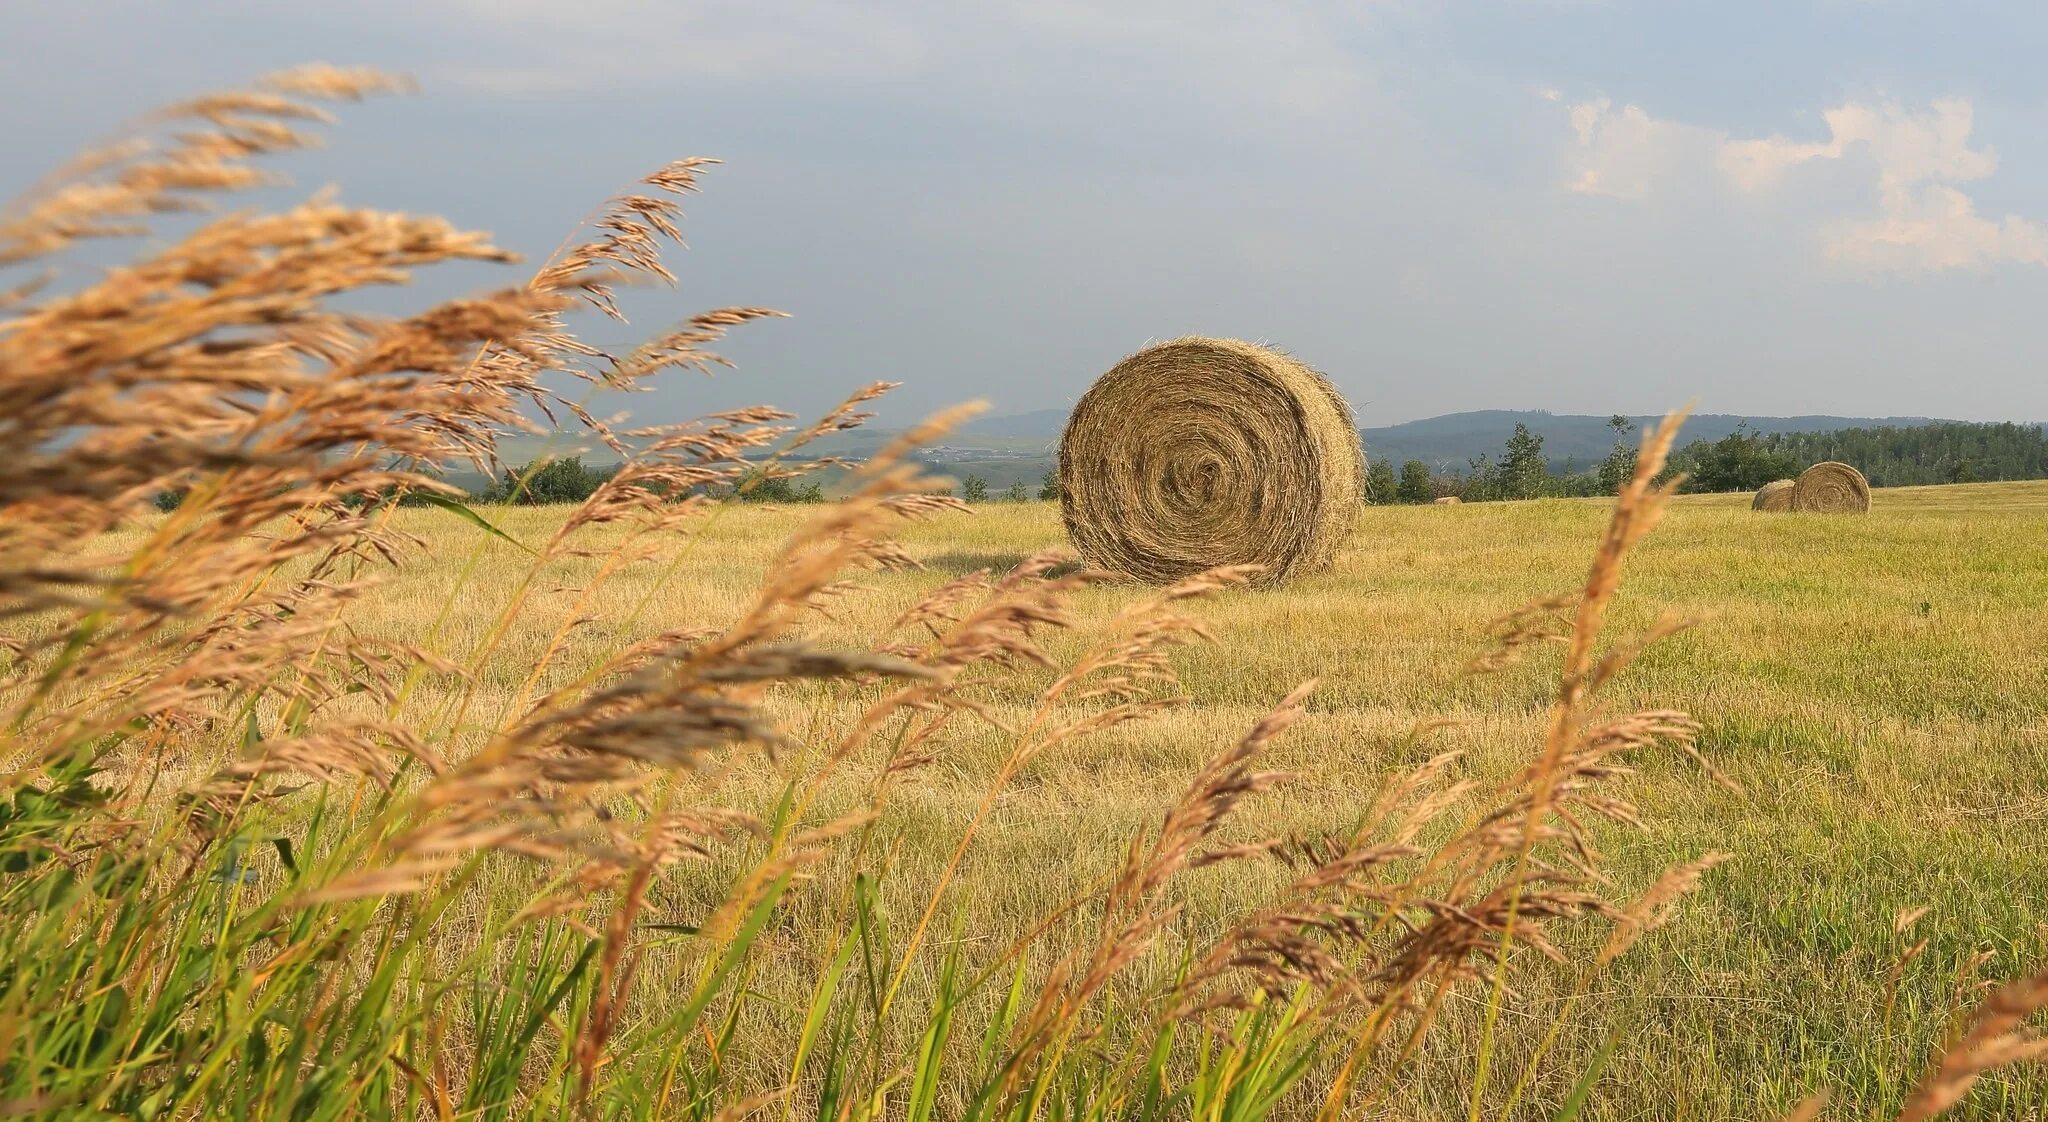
x=1448, y=500
x=1205, y=452
x=1775, y=495
x=1831, y=488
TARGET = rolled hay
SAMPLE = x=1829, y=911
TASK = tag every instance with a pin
x=1775, y=495
x=1205, y=452
x=1448, y=500
x=1831, y=488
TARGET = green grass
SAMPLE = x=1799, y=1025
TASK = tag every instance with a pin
x=1876, y=685
x=665, y=818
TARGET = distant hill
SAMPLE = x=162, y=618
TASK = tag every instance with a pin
x=1453, y=440
x=1450, y=441
x=1020, y=447
x=1045, y=423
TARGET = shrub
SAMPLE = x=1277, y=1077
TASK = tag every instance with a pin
x=974, y=489
x=1740, y=461
x=547, y=482
x=765, y=488
x=1049, y=486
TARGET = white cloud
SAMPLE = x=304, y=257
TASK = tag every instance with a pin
x=1925, y=222
x=1934, y=228
x=1753, y=165
x=1624, y=152
x=1908, y=148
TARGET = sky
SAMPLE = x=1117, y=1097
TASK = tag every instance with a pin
x=1766, y=208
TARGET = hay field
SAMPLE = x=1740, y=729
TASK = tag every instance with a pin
x=676, y=824
x=1877, y=685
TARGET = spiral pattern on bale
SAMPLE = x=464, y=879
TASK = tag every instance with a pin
x=1831, y=488
x=1775, y=495
x=1205, y=452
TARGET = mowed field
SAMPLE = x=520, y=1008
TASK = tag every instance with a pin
x=1877, y=686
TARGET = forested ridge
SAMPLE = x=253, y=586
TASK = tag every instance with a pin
x=1943, y=452
x=1742, y=460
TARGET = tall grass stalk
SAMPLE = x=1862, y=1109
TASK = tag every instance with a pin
x=247, y=869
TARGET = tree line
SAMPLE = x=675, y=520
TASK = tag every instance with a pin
x=1889, y=456
x=570, y=480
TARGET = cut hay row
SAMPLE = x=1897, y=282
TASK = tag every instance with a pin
x=1204, y=452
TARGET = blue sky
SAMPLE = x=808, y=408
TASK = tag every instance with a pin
x=1773, y=208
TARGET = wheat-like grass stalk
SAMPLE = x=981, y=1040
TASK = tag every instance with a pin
x=472, y=917
x=1997, y=1037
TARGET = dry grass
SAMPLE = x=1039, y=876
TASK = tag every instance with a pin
x=1884, y=720
x=322, y=806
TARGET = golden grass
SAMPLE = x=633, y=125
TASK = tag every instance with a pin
x=1877, y=688
x=604, y=801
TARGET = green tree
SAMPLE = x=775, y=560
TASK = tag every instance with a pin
x=1018, y=493
x=974, y=489
x=541, y=483
x=1482, y=479
x=1741, y=461
x=1049, y=488
x=1380, y=486
x=781, y=489
x=1415, y=486
x=1943, y=452
x=1620, y=465
x=1523, y=470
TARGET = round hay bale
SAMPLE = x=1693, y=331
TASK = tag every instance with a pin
x=1448, y=500
x=1831, y=488
x=1205, y=452
x=1775, y=495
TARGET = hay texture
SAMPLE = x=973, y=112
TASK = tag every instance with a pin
x=1205, y=452
x=1775, y=495
x=1831, y=488
x=1448, y=500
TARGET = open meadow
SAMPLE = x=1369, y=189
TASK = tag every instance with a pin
x=1876, y=686
x=327, y=795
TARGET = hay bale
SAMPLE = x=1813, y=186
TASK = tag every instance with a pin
x=1448, y=500
x=1775, y=495
x=1205, y=452
x=1831, y=488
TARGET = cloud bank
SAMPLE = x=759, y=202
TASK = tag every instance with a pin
x=1918, y=160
